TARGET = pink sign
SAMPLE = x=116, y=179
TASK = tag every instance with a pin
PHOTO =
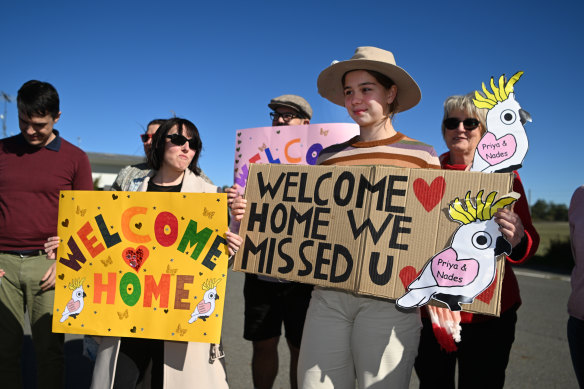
x=299, y=145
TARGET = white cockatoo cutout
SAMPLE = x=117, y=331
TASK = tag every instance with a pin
x=75, y=305
x=459, y=273
x=206, y=306
x=504, y=146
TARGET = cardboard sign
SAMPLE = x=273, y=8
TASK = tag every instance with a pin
x=144, y=265
x=286, y=144
x=504, y=145
x=365, y=229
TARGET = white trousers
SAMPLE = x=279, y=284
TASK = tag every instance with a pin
x=348, y=337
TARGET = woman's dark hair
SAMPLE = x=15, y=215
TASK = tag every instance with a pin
x=155, y=121
x=186, y=128
x=385, y=81
x=37, y=98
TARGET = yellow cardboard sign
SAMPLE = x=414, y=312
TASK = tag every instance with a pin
x=139, y=264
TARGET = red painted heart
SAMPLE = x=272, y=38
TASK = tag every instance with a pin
x=407, y=275
x=429, y=195
x=135, y=258
x=488, y=293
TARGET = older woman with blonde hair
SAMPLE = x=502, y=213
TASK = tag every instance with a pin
x=483, y=351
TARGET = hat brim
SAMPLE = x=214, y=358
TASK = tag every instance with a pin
x=331, y=88
x=295, y=107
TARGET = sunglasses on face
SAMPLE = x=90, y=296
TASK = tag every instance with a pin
x=145, y=137
x=179, y=140
x=287, y=116
x=468, y=123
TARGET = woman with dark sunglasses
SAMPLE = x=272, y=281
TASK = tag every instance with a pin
x=137, y=172
x=121, y=363
x=485, y=345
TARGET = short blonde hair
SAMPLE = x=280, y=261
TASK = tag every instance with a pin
x=464, y=103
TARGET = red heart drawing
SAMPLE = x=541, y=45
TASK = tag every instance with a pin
x=135, y=258
x=488, y=293
x=407, y=275
x=429, y=195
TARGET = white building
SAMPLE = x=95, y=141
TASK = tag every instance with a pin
x=105, y=167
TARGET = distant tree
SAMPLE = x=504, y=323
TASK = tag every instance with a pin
x=544, y=211
x=558, y=212
x=539, y=210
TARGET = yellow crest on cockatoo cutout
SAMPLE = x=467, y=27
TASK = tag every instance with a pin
x=499, y=94
x=468, y=212
x=211, y=283
x=76, y=283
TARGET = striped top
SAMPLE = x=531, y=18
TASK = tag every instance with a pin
x=399, y=150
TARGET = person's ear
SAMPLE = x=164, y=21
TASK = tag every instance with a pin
x=391, y=94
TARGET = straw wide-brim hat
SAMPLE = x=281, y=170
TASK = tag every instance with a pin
x=330, y=84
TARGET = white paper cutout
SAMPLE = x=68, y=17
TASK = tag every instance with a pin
x=75, y=305
x=504, y=146
x=459, y=273
x=204, y=309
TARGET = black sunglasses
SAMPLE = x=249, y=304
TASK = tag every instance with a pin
x=179, y=140
x=469, y=123
x=145, y=137
x=287, y=116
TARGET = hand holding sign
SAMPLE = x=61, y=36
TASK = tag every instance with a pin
x=51, y=246
x=238, y=208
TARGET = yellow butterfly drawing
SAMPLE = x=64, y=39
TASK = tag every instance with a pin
x=208, y=213
x=180, y=330
x=80, y=211
x=107, y=262
x=262, y=147
x=170, y=270
x=123, y=315
x=324, y=132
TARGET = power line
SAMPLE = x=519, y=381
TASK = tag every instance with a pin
x=7, y=99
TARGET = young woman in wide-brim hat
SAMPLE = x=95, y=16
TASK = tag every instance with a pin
x=348, y=336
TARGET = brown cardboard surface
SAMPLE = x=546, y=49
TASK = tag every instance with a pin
x=365, y=229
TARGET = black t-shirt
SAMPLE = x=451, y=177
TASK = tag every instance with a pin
x=152, y=187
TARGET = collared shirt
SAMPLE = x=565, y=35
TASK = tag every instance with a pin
x=30, y=181
x=54, y=145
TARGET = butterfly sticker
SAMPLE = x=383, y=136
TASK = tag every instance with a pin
x=180, y=330
x=263, y=147
x=170, y=270
x=324, y=132
x=123, y=315
x=208, y=213
x=80, y=211
x=107, y=262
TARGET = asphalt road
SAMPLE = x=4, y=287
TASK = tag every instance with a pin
x=539, y=358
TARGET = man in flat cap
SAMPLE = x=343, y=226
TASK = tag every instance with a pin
x=270, y=302
x=290, y=110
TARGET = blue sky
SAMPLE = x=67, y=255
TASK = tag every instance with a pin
x=119, y=64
